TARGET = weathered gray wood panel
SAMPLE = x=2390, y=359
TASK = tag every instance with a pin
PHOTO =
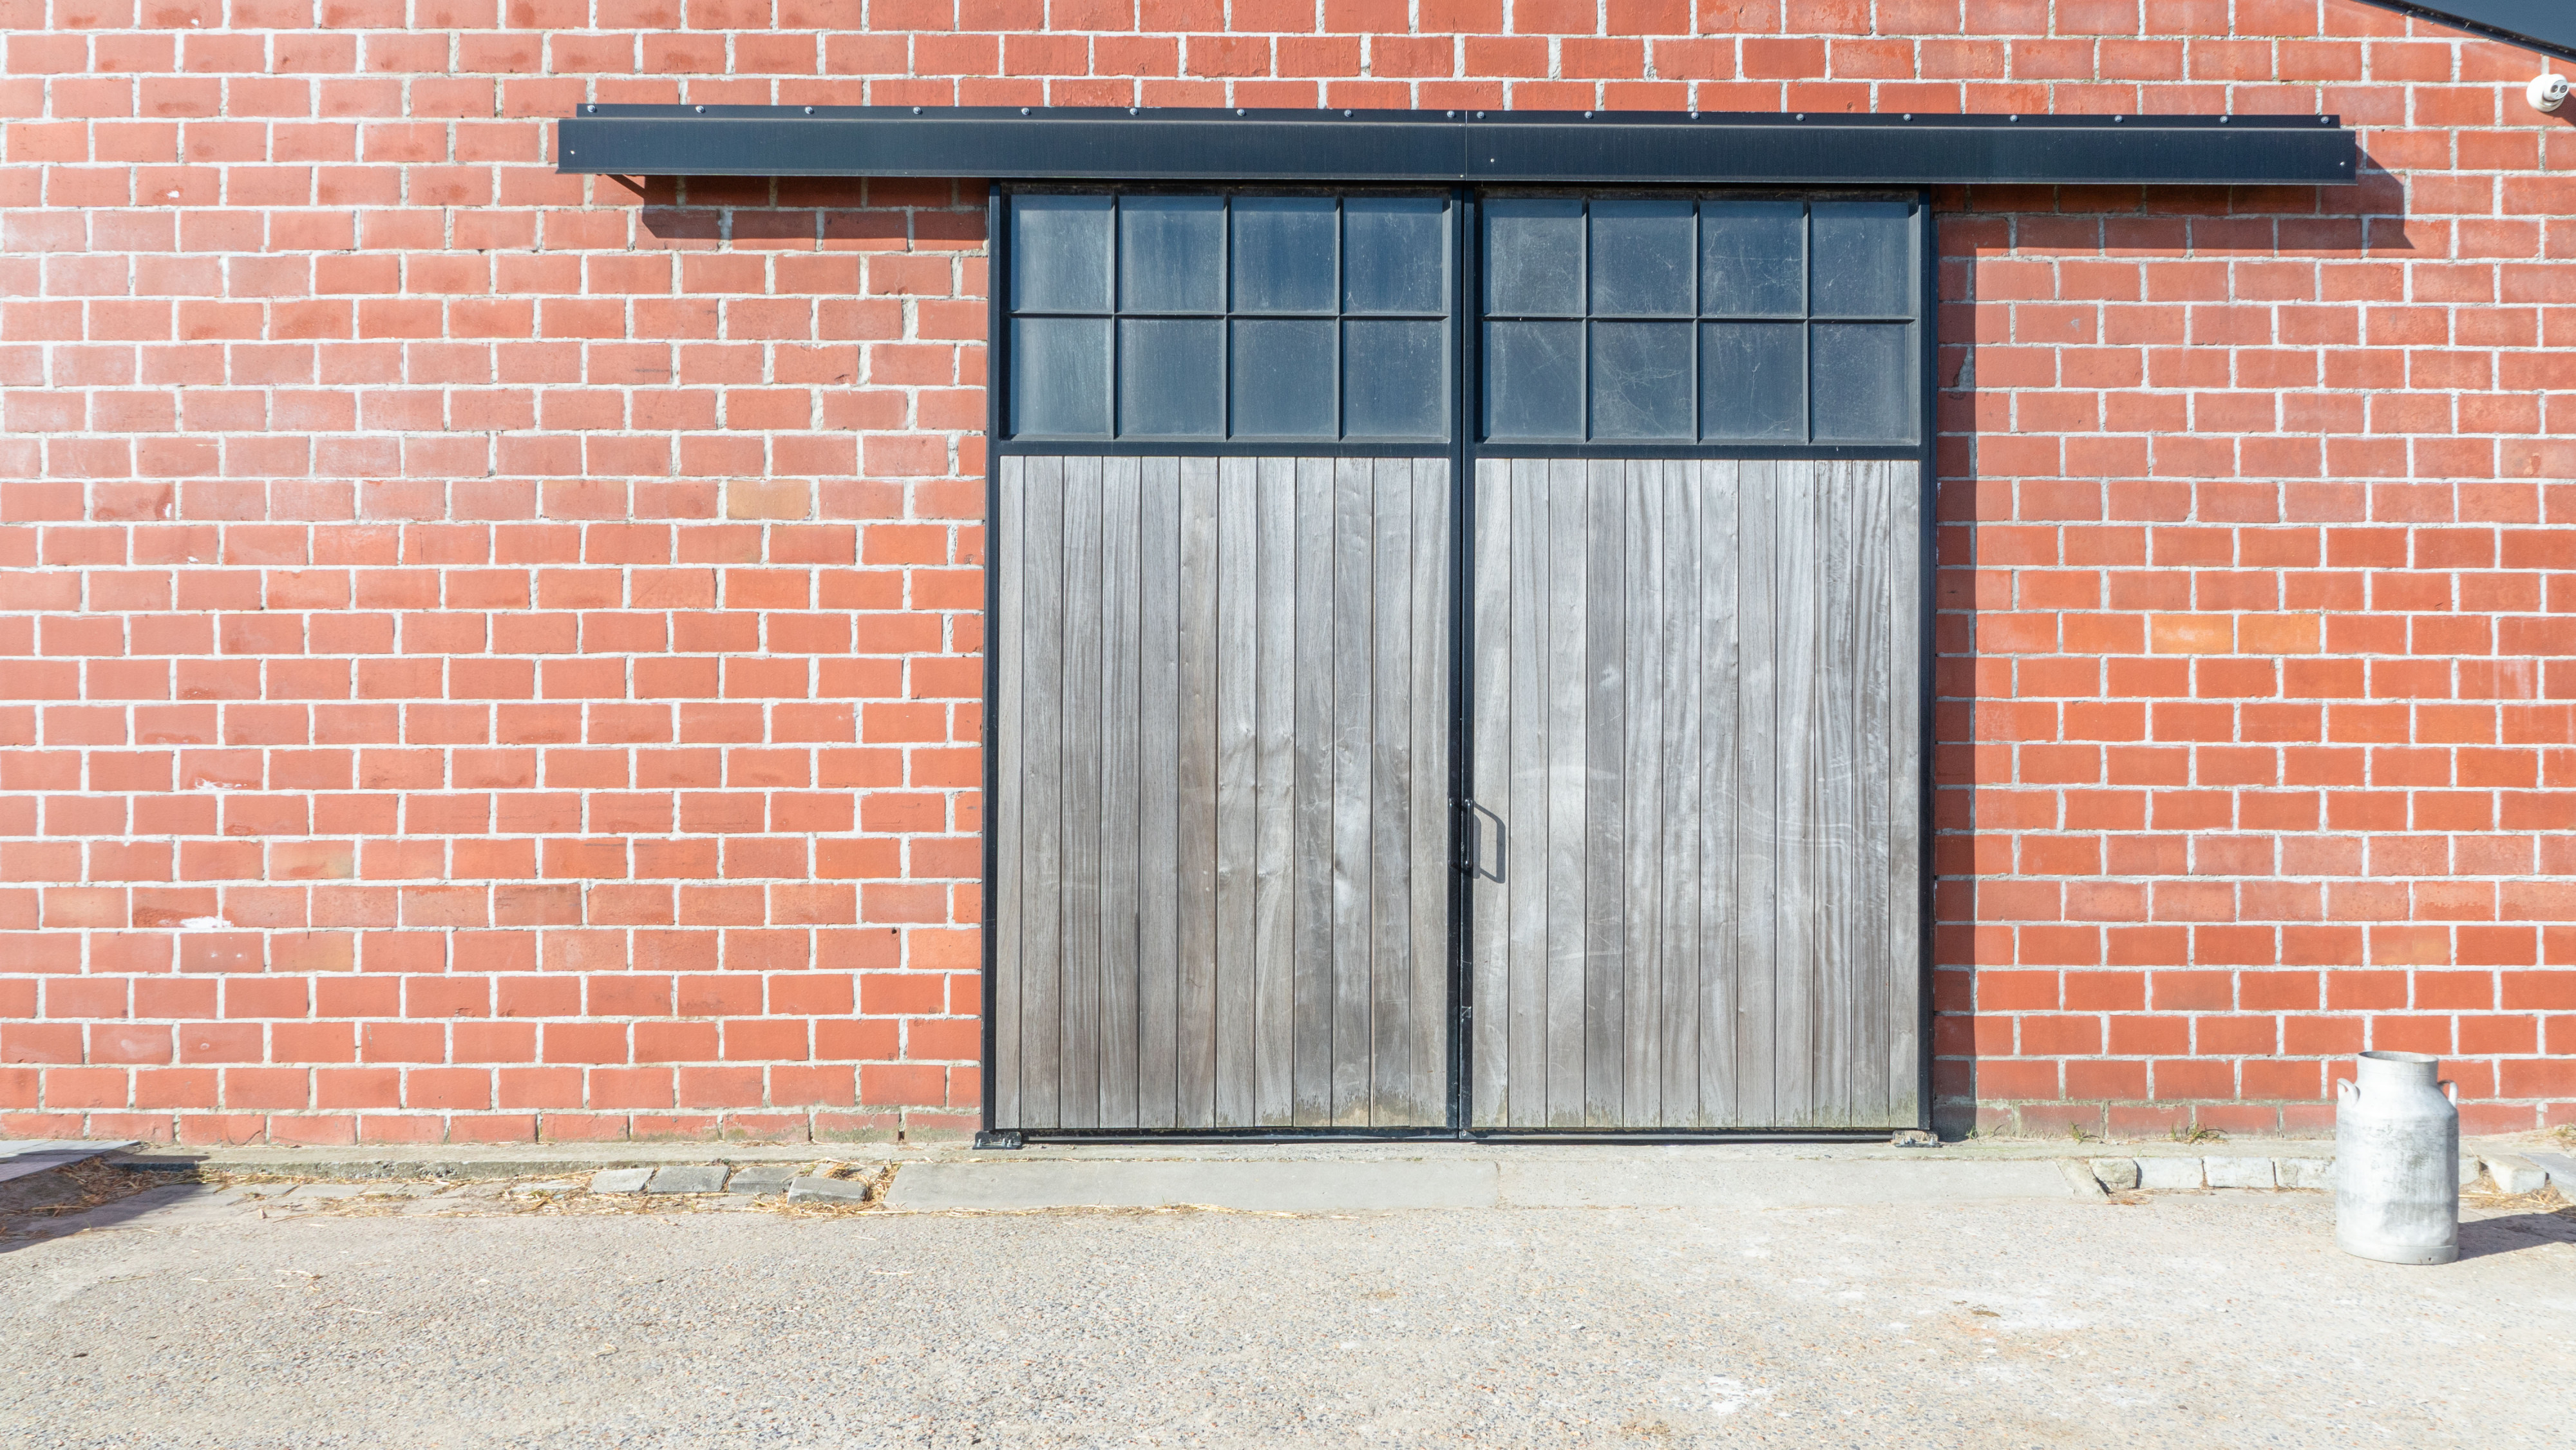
x=1696, y=718
x=1222, y=763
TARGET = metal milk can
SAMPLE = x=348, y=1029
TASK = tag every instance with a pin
x=2397, y=1161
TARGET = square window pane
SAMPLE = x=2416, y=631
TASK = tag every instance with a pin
x=1283, y=254
x=1641, y=379
x=1060, y=253
x=1395, y=254
x=1534, y=380
x=1864, y=383
x=1641, y=259
x=1395, y=379
x=1060, y=377
x=1864, y=259
x=1752, y=258
x=1171, y=254
x=1282, y=378
x=1171, y=379
x=1534, y=258
x=1753, y=381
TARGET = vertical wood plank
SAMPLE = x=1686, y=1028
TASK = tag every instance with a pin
x=1904, y=962
x=1498, y=678
x=1718, y=673
x=1237, y=570
x=1158, y=715
x=1002, y=995
x=1567, y=646
x=1078, y=1009
x=1678, y=902
x=1757, y=775
x=1865, y=969
x=1275, y=601
x=1796, y=889
x=1194, y=837
x=1839, y=527
x=1354, y=577
x=1042, y=824
x=1641, y=504
x=1427, y=1015
x=1317, y=901
x=1121, y=580
x=1390, y=817
x=1605, y=907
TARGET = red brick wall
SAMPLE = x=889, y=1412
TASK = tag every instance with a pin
x=496, y=654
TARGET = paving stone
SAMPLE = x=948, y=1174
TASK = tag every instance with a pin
x=759, y=1180
x=2080, y=1179
x=550, y=1185
x=827, y=1190
x=2516, y=1174
x=2116, y=1174
x=688, y=1178
x=2238, y=1172
x=2304, y=1173
x=2560, y=1168
x=620, y=1180
x=2168, y=1173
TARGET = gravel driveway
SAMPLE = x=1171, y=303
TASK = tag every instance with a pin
x=2182, y=1319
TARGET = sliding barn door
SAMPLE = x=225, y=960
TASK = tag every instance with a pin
x=1221, y=822
x=1697, y=764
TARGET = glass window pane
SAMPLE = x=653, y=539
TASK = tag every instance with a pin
x=1864, y=259
x=1283, y=254
x=1752, y=259
x=1395, y=379
x=1395, y=254
x=1060, y=253
x=1534, y=258
x=1864, y=382
x=1641, y=259
x=1534, y=380
x=1060, y=377
x=1641, y=379
x=1283, y=379
x=1171, y=379
x=1171, y=254
x=1753, y=381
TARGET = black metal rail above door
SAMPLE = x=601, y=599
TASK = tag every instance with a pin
x=1504, y=147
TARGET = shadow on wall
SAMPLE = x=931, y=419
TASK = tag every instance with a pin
x=2129, y=570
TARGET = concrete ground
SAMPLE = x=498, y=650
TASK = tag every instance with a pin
x=471, y=1315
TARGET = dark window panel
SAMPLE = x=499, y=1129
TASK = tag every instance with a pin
x=1395, y=254
x=1753, y=382
x=1171, y=378
x=1752, y=258
x=1641, y=380
x=1862, y=378
x=1641, y=259
x=1060, y=253
x=1060, y=377
x=1283, y=254
x=1395, y=379
x=1283, y=379
x=1534, y=257
x=1534, y=380
x=1171, y=254
x=1864, y=259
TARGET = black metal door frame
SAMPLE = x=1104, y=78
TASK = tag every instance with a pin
x=1464, y=450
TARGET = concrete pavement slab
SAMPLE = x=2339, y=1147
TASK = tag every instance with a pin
x=1311, y=1187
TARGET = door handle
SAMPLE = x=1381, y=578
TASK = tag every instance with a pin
x=1472, y=861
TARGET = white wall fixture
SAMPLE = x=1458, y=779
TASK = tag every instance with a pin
x=2546, y=92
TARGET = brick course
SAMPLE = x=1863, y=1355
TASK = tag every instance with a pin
x=496, y=654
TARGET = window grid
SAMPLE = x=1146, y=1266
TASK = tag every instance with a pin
x=1697, y=320
x=1340, y=314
